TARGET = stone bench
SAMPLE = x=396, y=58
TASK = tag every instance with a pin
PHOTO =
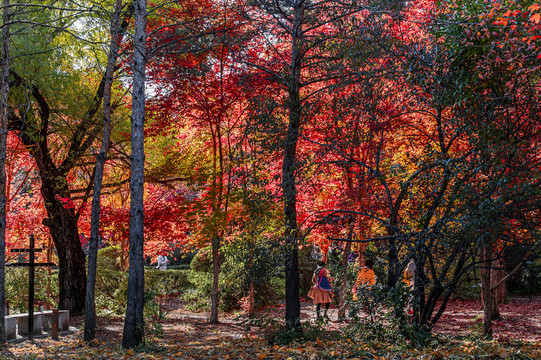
x=18, y=323
x=22, y=324
x=63, y=320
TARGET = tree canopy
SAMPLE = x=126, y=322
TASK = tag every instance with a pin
x=401, y=130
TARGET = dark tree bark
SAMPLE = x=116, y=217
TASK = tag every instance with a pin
x=488, y=296
x=134, y=322
x=3, y=143
x=62, y=224
x=62, y=220
x=215, y=277
x=293, y=306
x=302, y=23
x=90, y=306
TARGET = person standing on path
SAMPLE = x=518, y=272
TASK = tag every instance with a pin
x=362, y=290
x=321, y=289
x=365, y=277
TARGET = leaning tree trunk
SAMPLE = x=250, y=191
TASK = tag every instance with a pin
x=90, y=306
x=62, y=223
x=3, y=144
x=134, y=321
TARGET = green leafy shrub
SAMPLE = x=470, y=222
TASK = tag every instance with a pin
x=111, y=283
x=383, y=319
x=276, y=333
x=307, y=265
x=167, y=282
x=201, y=275
x=257, y=264
x=243, y=264
x=16, y=287
x=180, y=259
x=179, y=267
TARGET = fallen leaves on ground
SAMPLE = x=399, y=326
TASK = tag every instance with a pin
x=188, y=335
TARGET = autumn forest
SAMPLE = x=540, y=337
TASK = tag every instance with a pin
x=249, y=141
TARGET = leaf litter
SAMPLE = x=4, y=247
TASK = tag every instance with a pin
x=188, y=335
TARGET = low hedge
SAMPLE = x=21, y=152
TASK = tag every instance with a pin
x=166, y=282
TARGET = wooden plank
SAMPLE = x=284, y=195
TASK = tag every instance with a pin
x=28, y=264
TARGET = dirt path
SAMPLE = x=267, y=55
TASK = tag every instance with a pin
x=190, y=333
x=520, y=319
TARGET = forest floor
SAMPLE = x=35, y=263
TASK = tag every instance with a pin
x=188, y=335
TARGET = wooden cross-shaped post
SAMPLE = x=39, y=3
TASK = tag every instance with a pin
x=31, y=264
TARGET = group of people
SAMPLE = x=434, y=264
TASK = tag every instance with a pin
x=321, y=291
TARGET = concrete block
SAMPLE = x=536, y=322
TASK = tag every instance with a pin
x=10, y=326
x=64, y=319
x=47, y=321
x=22, y=324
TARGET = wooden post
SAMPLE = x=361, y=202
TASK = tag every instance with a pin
x=31, y=264
x=31, y=270
x=54, y=325
x=49, y=269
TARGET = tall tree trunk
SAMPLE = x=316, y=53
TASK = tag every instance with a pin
x=487, y=295
x=216, y=272
x=288, y=173
x=134, y=321
x=90, y=306
x=496, y=293
x=3, y=144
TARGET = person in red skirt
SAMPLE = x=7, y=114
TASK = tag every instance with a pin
x=321, y=290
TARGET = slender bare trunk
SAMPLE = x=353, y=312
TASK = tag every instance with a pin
x=216, y=272
x=90, y=306
x=134, y=321
x=3, y=144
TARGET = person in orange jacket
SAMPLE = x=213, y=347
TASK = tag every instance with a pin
x=365, y=278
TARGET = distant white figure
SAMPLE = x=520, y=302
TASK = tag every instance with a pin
x=409, y=274
x=162, y=261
